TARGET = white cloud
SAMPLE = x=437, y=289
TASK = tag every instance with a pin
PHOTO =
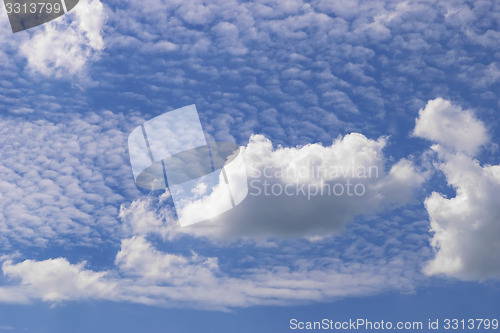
x=13, y=295
x=138, y=257
x=55, y=179
x=297, y=55
x=306, y=281
x=228, y=38
x=62, y=48
x=57, y=280
x=299, y=192
x=146, y=275
x=466, y=227
x=450, y=126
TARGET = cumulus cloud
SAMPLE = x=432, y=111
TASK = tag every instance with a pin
x=466, y=227
x=56, y=280
x=293, y=192
x=63, y=47
x=450, y=126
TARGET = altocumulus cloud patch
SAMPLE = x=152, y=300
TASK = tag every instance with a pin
x=55, y=179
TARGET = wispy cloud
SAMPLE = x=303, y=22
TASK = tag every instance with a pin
x=149, y=276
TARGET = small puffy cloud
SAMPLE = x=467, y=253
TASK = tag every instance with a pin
x=62, y=48
x=57, y=280
x=450, y=126
x=196, y=12
x=227, y=35
x=307, y=191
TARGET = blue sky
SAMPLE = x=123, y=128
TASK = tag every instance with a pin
x=410, y=88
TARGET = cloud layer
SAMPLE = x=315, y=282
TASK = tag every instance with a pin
x=148, y=276
x=55, y=179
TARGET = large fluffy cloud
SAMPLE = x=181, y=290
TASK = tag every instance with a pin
x=303, y=191
x=466, y=227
